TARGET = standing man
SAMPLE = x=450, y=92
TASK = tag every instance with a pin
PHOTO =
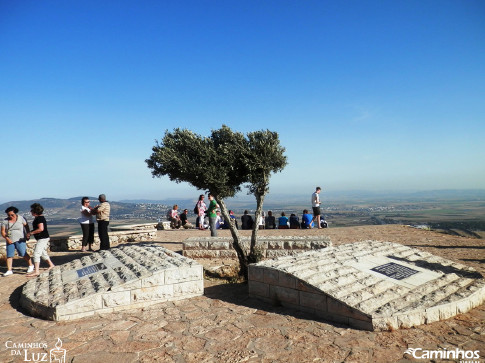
x=212, y=215
x=316, y=206
x=102, y=216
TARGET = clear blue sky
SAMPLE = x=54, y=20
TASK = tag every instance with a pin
x=367, y=95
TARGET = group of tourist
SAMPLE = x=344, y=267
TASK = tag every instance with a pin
x=207, y=217
x=216, y=221
x=17, y=232
x=283, y=222
x=307, y=220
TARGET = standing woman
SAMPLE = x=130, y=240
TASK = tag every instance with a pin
x=87, y=224
x=13, y=232
x=202, y=208
x=39, y=230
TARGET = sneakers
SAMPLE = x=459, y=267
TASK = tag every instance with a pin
x=30, y=269
x=8, y=273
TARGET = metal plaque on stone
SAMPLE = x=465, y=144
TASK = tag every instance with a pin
x=88, y=270
x=395, y=271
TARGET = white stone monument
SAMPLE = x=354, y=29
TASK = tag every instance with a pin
x=369, y=285
x=126, y=277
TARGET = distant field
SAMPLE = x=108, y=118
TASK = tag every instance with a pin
x=465, y=218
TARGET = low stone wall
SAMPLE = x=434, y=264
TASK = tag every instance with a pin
x=134, y=227
x=163, y=225
x=123, y=234
x=268, y=246
x=115, y=238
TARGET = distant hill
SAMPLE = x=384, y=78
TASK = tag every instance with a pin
x=67, y=210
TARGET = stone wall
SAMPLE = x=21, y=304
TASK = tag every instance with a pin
x=134, y=227
x=268, y=246
x=128, y=233
x=115, y=238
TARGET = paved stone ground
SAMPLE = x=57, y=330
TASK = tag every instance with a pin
x=226, y=325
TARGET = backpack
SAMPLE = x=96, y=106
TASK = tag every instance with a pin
x=196, y=209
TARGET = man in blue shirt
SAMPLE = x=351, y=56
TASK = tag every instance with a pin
x=306, y=219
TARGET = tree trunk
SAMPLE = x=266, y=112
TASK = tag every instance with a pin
x=241, y=255
x=254, y=255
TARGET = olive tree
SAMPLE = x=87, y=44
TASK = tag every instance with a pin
x=266, y=156
x=221, y=163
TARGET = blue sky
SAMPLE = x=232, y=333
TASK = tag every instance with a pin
x=367, y=95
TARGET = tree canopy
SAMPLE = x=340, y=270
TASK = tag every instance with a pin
x=221, y=163
x=209, y=163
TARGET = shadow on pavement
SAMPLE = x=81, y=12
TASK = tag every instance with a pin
x=237, y=294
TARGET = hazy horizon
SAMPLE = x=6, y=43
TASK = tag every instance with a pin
x=325, y=195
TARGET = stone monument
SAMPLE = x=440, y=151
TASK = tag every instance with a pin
x=126, y=277
x=369, y=285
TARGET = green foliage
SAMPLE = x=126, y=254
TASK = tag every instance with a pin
x=265, y=156
x=208, y=163
x=222, y=162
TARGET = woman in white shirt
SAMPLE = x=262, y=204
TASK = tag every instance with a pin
x=87, y=224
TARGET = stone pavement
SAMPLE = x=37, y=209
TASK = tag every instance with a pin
x=224, y=325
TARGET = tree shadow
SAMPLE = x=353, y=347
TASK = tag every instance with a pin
x=474, y=260
x=238, y=294
x=66, y=257
x=440, y=267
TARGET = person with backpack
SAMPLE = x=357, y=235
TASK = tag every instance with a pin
x=199, y=210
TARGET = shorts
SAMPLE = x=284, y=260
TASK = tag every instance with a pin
x=20, y=246
x=316, y=211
